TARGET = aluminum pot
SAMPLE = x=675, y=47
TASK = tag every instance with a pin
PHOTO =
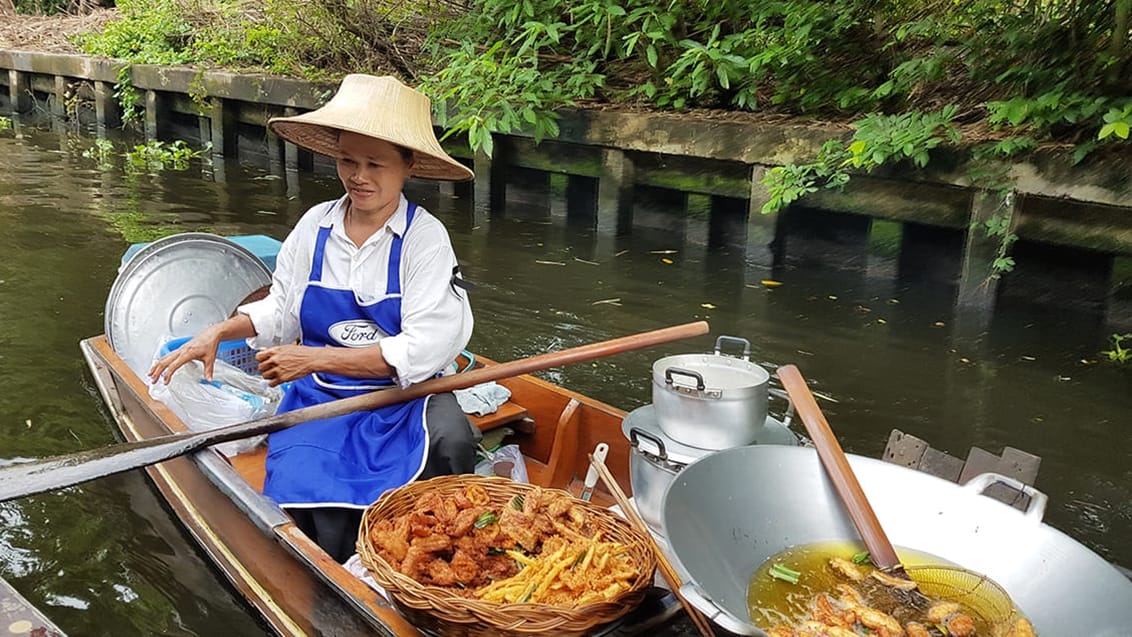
x=731, y=510
x=655, y=458
x=711, y=401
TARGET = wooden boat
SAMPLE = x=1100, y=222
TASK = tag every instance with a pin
x=289, y=580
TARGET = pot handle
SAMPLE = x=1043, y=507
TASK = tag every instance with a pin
x=733, y=339
x=1038, y=500
x=635, y=433
x=788, y=415
x=694, y=596
x=673, y=371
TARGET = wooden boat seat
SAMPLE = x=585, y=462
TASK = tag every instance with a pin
x=507, y=413
x=250, y=465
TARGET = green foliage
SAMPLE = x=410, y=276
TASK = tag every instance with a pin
x=1119, y=353
x=999, y=226
x=149, y=32
x=129, y=98
x=877, y=139
x=156, y=156
x=510, y=94
x=103, y=152
x=499, y=65
x=5, y=124
x=1117, y=122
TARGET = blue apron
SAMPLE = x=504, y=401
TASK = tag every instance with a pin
x=348, y=461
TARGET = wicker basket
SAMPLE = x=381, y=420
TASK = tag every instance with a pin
x=442, y=612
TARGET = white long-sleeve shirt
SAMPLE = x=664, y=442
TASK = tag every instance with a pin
x=436, y=318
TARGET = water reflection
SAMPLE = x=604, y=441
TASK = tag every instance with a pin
x=873, y=327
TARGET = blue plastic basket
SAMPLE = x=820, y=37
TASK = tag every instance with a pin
x=235, y=353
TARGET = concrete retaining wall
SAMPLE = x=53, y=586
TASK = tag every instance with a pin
x=606, y=154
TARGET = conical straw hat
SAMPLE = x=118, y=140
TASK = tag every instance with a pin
x=379, y=107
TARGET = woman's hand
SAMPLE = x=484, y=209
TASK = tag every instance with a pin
x=287, y=362
x=201, y=348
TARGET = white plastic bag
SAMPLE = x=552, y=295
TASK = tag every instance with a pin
x=506, y=461
x=231, y=397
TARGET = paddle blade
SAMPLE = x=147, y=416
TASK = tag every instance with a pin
x=37, y=476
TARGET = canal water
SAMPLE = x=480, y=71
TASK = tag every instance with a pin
x=883, y=342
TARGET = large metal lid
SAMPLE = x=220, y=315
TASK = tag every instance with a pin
x=644, y=418
x=176, y=287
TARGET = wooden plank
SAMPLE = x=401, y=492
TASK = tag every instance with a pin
x=941, y=465
x=21, y=618
x=904, y=449
x=507, y=413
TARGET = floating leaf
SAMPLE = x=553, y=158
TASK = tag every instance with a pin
x=667, y=261
x=771, y=283
x=707, y=306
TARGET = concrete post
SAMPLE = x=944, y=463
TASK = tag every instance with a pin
x=274, y=152
x=221, y=130
x=490, y=190
x=105, y=107
x=761, y=228
x=615, y=192
x=59, y=102
x=152, y=104
x=978, y=282
x=581, y=201
x=290, y=151
x=18, y=91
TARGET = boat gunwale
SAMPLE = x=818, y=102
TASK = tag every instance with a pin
x=108, y=369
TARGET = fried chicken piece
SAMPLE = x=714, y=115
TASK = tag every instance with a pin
x=421, y=524
x=818, y=629
x=439, y=572
x=916, y=629
x=428, y=503
x=520, y=527
x=850, y=596
x=939, y=611
x=960, y=625
x=391, y=540
x=781, y=631
x=465, y=520
x=846, y=569
x=465, y=568
x=824, y=612
x=881, y=623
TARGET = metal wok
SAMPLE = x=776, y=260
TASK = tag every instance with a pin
x=729, y=511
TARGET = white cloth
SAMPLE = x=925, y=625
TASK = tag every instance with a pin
x=436, y=318
x=482, y=399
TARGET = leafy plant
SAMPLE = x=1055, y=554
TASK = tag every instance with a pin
x=5, y=123
x=1119, y=353
x=877, y=139
x=103, y=152
x=156, y=156
x=999, y=226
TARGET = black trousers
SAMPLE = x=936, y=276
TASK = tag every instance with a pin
x=451, y=450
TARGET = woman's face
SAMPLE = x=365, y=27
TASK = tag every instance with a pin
x=372, y=171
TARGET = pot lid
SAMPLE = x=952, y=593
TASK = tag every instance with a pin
x=719, y=372
x=644, y=418
x=176, y=287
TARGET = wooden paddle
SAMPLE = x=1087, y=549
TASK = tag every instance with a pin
x=832, y=456
x=29, y=478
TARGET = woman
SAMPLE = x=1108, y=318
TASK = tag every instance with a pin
x=370, y=287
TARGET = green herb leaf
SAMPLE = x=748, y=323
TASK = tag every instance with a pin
x=486, y=519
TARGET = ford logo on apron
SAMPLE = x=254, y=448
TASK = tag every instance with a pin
x=356, y=333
